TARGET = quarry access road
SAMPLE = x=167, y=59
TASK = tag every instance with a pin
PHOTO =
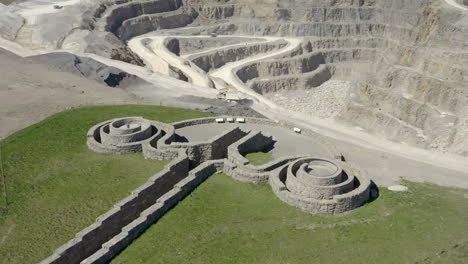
x=153, y=51
x=344, y=133
x=164, y=87
x=453, y=3
x=163, y=84
x=354, y=143
x=228, y=72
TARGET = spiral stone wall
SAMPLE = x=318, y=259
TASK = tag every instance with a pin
x=318, y=185
x=123, y=136
x=291, y=178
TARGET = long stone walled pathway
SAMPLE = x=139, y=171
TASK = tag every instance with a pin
x=324, y=184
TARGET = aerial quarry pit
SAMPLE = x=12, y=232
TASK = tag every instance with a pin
x=351, y=95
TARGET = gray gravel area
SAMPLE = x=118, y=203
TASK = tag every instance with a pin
x=324, y=101
x=287, y=143
x=219, y=107
x=89, y=68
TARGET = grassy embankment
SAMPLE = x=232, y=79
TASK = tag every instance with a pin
x=224, y=221
x=56, y=186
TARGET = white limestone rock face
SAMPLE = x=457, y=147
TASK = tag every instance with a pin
x=10, y=23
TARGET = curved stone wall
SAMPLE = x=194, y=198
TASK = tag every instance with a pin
x=239, y=168
x=191, y=164
x=122, y=136
x=318, y=178
x=318, y=185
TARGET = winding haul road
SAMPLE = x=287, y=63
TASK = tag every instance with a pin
x=151, y=48
x=158, y=58
x=326, y=127
x=156, y=55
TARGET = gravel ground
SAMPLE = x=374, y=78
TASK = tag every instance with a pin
x=325, y=101
x=6, y=2
x=30, y=92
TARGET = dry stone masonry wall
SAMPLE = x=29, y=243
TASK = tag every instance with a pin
x=405, y=60
x=315, y=185
x=321, y=186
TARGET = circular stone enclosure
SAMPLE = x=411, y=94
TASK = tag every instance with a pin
x=321, y=168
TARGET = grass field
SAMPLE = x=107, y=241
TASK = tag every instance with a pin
x=56, y=186
x=259, y=158
x=224, y=221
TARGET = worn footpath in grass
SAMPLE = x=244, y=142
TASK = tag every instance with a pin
x=224, y=221
x=259, y=158
x=56, y=186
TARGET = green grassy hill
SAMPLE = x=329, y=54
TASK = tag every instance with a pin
x=56, y=186
x=224, y=221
